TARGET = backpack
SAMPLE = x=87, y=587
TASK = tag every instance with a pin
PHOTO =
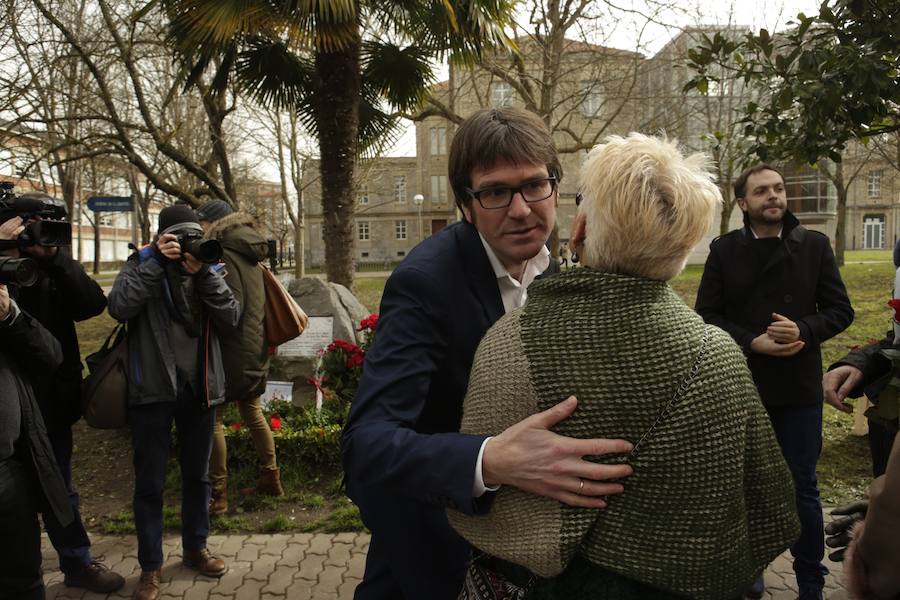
x=104, y=393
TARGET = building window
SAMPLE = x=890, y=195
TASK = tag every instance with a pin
x=501, y=94
x=364, y=254
x=590, y=98
x=438, y=189
x=105, y=221
x=400, y=229
x=400, y=188
x=438, y=138
x=873, y=232
x=874, y=183
x=364, y=194
x=362, y=228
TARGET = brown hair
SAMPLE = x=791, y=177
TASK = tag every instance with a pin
x=740, y=184
x=511, y=134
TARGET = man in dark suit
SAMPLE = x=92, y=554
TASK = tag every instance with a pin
x=404, y=459
x=775, y=287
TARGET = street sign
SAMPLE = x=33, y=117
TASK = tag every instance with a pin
x=110, y=203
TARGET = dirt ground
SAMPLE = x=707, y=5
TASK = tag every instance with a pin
x=103, y=475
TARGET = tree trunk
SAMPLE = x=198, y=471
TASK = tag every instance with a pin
x=839, y=226
x=96, y=242
x=337, y=117
x=727, y=209
x=299, y=258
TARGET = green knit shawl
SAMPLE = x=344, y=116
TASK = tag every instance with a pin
x=711, y=501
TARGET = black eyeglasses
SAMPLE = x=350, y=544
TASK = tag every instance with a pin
x=501, y=196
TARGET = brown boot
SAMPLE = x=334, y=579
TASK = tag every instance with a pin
x=218, y=504
x=204, y=563
x=148, y=586
x=268, y=484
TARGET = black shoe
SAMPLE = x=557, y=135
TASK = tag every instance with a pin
x=96, y=578
x=811, y=595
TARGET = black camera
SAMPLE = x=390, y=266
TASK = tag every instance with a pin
x=190, y=237
x=45, y=218
x=20, y=271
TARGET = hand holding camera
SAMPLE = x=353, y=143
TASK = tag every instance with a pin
x=169, y=246
x=10, y=230
x=4, y=302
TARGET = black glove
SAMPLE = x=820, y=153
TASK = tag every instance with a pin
x=839, y=531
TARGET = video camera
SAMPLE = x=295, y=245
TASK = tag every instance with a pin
x=20, y=271
x=190, y=238
x=45, y=225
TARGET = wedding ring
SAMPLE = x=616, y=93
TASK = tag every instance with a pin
x=580, y=485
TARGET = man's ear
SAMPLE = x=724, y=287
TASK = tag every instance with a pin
x=467, y=212
x=742, y=204
x=576, y=238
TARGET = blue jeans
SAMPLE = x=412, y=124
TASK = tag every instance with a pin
x=799, y=433
x=151, y=427
x=71, y=542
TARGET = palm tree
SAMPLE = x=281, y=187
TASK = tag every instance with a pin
x=347, y=67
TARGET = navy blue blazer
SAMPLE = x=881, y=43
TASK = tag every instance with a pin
x=404, y=460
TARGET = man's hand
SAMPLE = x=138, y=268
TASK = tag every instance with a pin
x=168, y=246
x=763, y=344
x=839, y=531
x=838, y=383
x=4, y=302
x=532, y=458
x=783, y=330
x=190, y=263
x=10, y=230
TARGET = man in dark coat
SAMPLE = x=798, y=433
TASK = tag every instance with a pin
x=62, y=295
x=245, y=350
x=404, y=460
x=29, y=477
x=775, y=287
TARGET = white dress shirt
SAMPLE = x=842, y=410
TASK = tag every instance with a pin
x=514, y=293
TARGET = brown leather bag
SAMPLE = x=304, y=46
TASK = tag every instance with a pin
x=104, y=393
x=285, y=320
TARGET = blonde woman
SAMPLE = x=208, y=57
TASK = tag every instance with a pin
x=710, y=503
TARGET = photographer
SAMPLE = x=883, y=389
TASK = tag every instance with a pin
x=246, y=349
x=62, y=295
x=29, y=477
x=169, y=299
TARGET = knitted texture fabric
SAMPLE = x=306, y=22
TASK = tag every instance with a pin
x=710, y=502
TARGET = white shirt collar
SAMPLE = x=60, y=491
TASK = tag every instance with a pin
x=539, y=262
x=514, y=293
x=756, y=237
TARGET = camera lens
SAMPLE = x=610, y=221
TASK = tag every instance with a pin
x=20, y=271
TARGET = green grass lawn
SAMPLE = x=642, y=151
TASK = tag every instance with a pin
x=844, y=468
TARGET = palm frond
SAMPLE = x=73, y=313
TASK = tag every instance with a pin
x=400, y=75
x=274, y=75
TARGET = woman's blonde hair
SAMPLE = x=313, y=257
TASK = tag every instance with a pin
x=646, y=206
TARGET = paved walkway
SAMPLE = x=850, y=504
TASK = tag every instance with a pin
x=297, y=566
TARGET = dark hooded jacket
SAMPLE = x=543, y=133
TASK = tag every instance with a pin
x=139, y=296
x=244, y=350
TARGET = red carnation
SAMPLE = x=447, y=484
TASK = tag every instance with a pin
x=355, y=360
x=895, y=304
x=369, y=323
x=235, y=426
x=275, y=421
x=344, y=345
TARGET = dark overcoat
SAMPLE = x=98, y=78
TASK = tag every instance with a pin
x=801, y=281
